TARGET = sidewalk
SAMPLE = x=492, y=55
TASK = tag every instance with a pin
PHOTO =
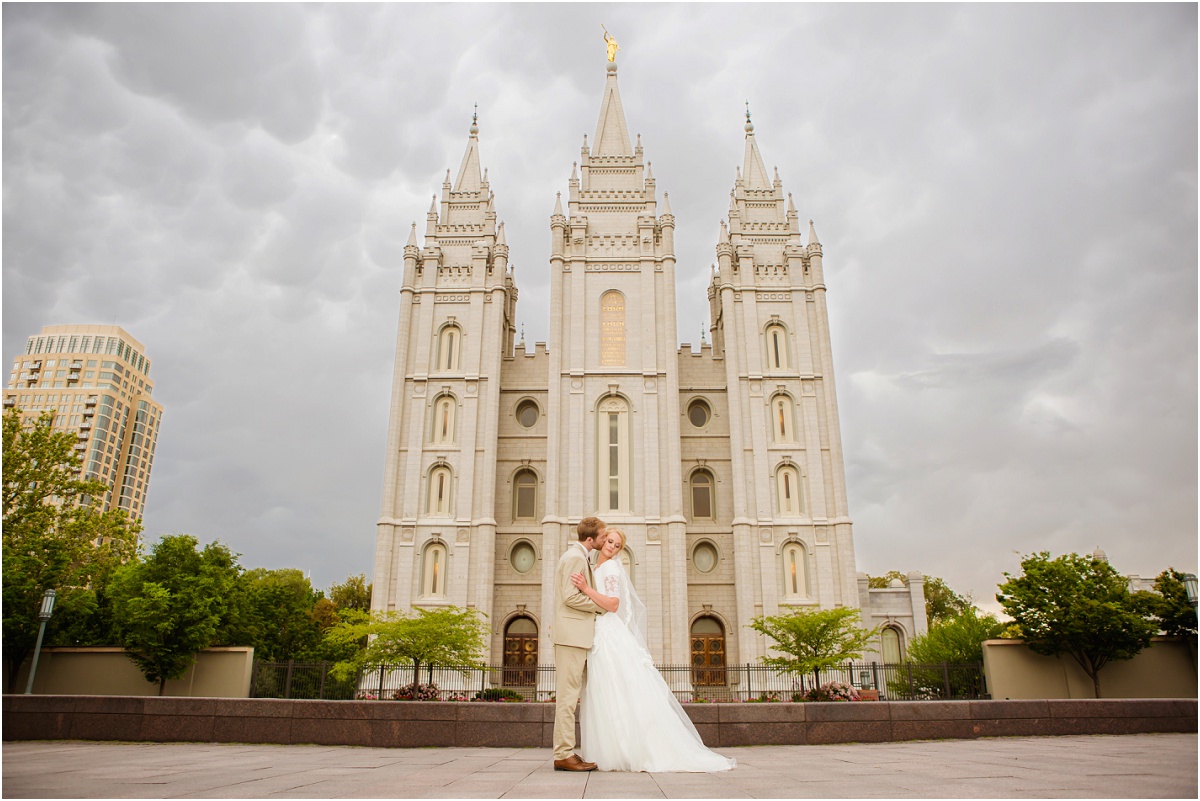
x=1093, y=766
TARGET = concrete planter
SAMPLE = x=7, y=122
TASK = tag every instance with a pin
x=413, y=724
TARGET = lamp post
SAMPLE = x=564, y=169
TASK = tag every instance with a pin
x=43, y=615
x=1189, y=586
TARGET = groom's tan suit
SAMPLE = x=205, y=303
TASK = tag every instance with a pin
x=573, y=629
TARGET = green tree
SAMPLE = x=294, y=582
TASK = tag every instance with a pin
x=53, y=538
x=353, y=593
x=447, y=636
x=814, y=639
x=958, y=639
x=170, y=606
x=1170, y=608
x=941, y=602
x=1079, y=606
x=271, y=610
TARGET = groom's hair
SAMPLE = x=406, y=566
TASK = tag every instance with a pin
x=589, y=528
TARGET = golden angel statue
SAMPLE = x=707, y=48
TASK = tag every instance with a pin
x=613, y=47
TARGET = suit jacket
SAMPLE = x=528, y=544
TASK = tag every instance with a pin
x=574, y=612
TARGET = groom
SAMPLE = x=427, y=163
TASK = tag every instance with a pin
x=574, y=625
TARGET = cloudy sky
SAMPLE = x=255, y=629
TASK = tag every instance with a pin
x=1006, y=197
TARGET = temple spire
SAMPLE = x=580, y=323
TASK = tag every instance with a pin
x=470, y=177
x=812, y=234
x=612, y=135
x=558, y=203
x=755, y=172
x=412, y=236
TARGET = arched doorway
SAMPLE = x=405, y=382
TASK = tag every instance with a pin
x=708, y=652
x=520, y=653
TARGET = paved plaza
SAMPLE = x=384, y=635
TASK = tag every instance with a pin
x=1092, y=766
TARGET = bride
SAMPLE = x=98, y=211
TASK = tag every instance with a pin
x=629, y=719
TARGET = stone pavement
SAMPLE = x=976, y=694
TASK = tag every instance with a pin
x=1085, y=766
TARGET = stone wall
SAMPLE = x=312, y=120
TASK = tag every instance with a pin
x=108, y=670
x=1167, y=669
x=443, y=724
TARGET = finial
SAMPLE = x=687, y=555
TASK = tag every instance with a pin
x=447, y=176
x=474, y=120
x=749, y=125
x=574, y=167
x=776, y=174
x=412, y=235
x=703, y=342
x=433, y=205
x=791, y=206
x=667, y=203
x=485, y=175
x=649, y=171
x=639, y=140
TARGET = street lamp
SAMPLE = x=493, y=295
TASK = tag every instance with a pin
x=1189, y=585
x=43, y=615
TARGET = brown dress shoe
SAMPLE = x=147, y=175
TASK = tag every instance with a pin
x=573, y=762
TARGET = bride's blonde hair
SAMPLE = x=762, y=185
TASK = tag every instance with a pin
x=619, y=533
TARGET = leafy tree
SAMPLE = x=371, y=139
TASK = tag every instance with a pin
x=353, y=593
x=941, y=602
x=1079, y=606
x=885, y=581
x=815, y=639
x=958, y=639
x=52, y=539
x=170, y=605
x=271, y=610
x=445, y=636
x=1170, y=608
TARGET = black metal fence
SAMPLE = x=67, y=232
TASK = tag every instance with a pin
x=905, y=681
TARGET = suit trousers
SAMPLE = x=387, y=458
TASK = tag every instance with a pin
x=570, y=672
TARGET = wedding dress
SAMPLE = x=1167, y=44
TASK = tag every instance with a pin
x=629, y=719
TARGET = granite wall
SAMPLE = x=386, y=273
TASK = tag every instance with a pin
x=408, y=724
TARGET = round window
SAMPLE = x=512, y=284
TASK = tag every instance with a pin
x=698, y=413
x=704, y=557
x=522, y=557
x=527, y=413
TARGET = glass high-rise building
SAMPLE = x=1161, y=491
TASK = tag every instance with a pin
x=96, y=380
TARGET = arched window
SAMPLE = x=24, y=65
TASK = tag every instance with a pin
x=893, y=650
x=440, y=485
x=433, y=571
x=443, y=420
x=449, y=349
x=783, y=419
x=702, y=495
x=777, y=354
x=612, y=455
x=525, y=495
x=795, y=572
x=787, y=486
x=612, y=329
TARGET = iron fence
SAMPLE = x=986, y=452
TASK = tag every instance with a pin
x=905, y=681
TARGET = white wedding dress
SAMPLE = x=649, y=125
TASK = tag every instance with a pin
x=629, y=719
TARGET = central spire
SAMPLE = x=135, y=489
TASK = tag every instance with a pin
x=612, y=137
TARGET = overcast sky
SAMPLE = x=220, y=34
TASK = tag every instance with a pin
x=1006, y=196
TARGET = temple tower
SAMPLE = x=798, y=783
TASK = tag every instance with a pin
x=792, y=531
x=436, y=531
x=613, y=444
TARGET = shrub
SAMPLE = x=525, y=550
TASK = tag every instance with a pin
x=498, y=694
x=831, y=691
x=417, y=692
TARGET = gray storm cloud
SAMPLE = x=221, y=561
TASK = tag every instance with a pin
x=1006, y=196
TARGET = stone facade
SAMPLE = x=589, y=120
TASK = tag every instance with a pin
x=723, y=466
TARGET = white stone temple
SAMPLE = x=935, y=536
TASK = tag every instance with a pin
x=723, y=467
